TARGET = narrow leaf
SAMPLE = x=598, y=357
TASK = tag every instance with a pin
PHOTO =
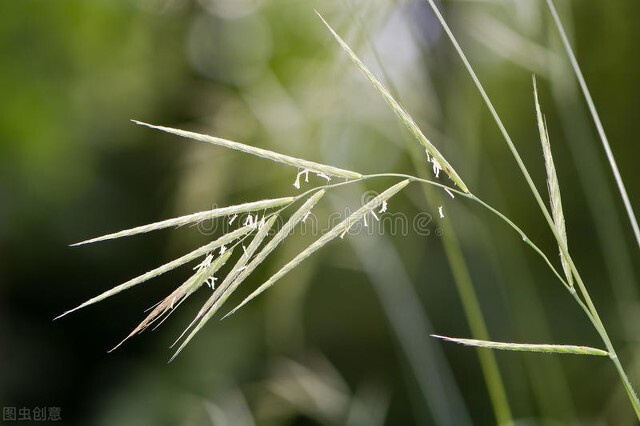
x=403, y=115
x=553, y=185
x=525, y=347
x=270, y=155
x=225, y=239
x=338, y=230
x=194, y=218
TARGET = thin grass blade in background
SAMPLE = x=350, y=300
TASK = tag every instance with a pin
x=526, y=347
x=553, y=185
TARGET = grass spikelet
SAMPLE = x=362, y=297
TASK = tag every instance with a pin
x=205, y=312
x=336, y=231
x=526, y=347
x=264, y=153
x=553, y=185
x=194, y=218
x=225, y=239
x=172, y=301
x=280, y=236
x=439, y=162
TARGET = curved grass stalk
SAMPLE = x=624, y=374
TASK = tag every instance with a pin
x=591, y=311
x=601, y=202
x=590, y=172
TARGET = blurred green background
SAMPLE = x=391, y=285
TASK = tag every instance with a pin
x=344, y=338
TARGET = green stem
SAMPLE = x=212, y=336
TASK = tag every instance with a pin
x=587, y=305
x=593, y=314
x=599, y=326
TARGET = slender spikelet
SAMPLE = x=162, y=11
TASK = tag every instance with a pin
x=439, y=162
x=339, y=230
x=195, y=218
x=269, y=155
x=552, y=185
x=172, y=301
x=225, y=239
x=280, y=236
x=526, y=347
x=205, y=312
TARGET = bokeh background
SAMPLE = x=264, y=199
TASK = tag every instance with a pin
x=345, y=338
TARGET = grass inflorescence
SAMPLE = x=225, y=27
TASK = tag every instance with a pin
x=253, y=241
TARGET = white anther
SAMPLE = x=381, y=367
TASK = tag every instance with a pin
x=436, y=166
x=323, y=176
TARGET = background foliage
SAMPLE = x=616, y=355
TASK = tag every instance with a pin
x=344, y=339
